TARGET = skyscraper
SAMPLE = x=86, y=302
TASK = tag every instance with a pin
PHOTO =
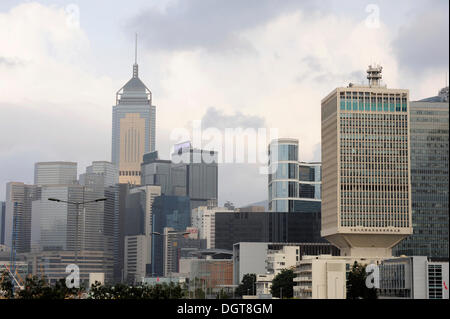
x=107, y=170
x=133, y=128
x=366, y=202
x=55, y=173
x=18, y=215
x=201, y=173
x=2, y=222
x=429, y=178
x=138, y=230
x=294, y=186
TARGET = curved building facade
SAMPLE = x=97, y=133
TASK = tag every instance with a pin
x=293, y=186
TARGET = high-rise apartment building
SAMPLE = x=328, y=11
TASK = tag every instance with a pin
x=429, y=178
x=366, y=195
x=55, y=173
x=133, y=128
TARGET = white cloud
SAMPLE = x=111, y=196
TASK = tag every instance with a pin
x=54, y=105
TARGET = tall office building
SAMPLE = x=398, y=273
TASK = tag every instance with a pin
x=138, y=232
x=171, y=177
x=366, y=203
x=121, y=192
x=201, y=173
x=429, y=178
x=204, y=219
x=18, y=215
x=107, y=170
x=133, y=128
x=55, y=173
x=293, y=186
x=168, y=212
x=2, y=222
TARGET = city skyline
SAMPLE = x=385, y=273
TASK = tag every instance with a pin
x=188, y=73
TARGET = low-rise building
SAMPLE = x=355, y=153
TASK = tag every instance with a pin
x=413, y=278
x=261, y=257
x=325, y=276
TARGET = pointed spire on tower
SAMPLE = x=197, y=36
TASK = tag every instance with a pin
x=135, y=65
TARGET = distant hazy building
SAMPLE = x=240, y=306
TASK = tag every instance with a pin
x=171, y=177
x=366, y=196
x=251, y=209
x=133, y=128
x=107, y=170
x=201, y=173
x=171, y=212
x=57, y=220
x=137, y=254
x=429, y=178
x=138, y=232
x=121, y=192
x=2, y=222
x=204, y=219
x=413, y=278
x=52, y=265
x=18, y=215
x=55, y=173
x=177, y=246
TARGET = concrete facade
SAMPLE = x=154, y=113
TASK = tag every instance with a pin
x=366, y=203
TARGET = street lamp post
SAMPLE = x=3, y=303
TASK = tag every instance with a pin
x=77, y=205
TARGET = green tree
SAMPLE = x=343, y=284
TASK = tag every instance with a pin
x=283, y=284
x=222, y=295
x=356, y=284
x=6, y=285
x=121, y=291
x=247, y=286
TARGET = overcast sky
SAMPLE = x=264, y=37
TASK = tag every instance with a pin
x=230, y=63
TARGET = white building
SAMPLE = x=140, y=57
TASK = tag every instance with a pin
x=284, y=258
x=413, y=278
x=320, y=277
x=325, y=276
x=203, y=218
x=264, y=284
x=276, y=260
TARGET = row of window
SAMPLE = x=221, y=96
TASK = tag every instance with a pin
x=373, y=166
x=374, y=107
x=129, y=173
